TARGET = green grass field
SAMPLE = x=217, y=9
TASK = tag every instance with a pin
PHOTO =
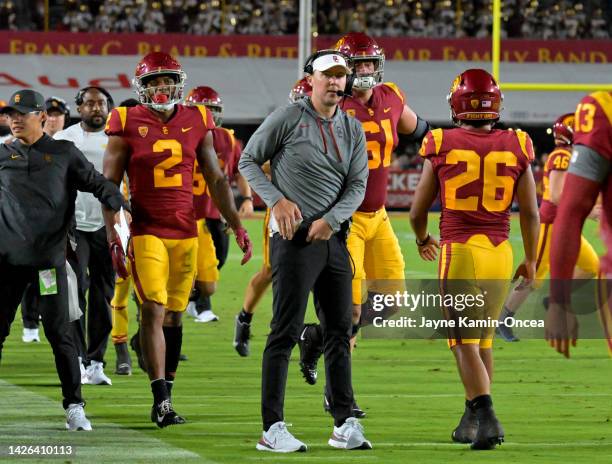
x=553, y=409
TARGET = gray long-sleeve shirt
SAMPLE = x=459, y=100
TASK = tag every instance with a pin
x=319, y=164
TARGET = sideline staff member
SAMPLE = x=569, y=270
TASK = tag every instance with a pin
x=319, y=172
x=39, y=178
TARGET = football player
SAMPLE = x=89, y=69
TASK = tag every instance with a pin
x=260, y=282
x=554, y=175
x=375, y=251
x=213, y=253
x=476, y=170
x=587, y=177
x=157, y=143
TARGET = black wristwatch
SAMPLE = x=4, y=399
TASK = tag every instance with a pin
x=424, y=242
x=247, y=198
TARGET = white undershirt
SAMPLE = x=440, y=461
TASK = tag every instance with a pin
x=88, y=210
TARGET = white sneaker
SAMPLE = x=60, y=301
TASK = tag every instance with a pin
x=96, y=375
x=278, y=440
x=349, y=436
x=30, y=335
x=191, y=309
x=206, y=316
x=76, y=419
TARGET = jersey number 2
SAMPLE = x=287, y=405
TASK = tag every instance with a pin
x=160, y=180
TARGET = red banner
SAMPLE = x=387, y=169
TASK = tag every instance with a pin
x=396, y=48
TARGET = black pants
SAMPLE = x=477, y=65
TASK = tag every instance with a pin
x=54, y=312
x=220, y=238
x=94, y=271
x=297, y=268
x=29, y=313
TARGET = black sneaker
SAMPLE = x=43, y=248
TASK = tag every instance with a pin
x=135, y=344
x=242, y=334
x=357, y=411
x=311, y=349
x=490, y=431
x=506, y=332
x=465, y=432
x=183, y=357
x=164, y=415
x=123, y=365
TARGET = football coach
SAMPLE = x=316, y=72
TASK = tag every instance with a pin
x=39, y=179
x=319, y=172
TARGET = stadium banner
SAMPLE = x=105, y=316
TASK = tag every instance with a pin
x=265, y=46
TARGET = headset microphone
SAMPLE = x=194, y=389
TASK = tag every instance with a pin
x=340, y=93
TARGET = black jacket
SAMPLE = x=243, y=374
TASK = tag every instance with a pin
x=38, y=187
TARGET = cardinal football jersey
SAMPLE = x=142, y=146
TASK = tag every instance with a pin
x=160, y=167
x=593, y=128
x=558, y=160
x=379, y=118
x=477, y=174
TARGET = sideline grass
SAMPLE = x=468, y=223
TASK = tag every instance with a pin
x=552, y=409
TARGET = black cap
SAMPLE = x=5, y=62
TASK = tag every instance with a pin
x=25, y=101
x=57, y=104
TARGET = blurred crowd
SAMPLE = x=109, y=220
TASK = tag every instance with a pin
x=533, y=19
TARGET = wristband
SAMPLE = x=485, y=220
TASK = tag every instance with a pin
x=424, y=242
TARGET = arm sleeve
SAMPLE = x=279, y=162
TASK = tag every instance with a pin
x=354, y=186
x=85, y=178
x=264, y=145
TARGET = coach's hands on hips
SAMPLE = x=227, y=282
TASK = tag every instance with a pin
x=561, y=328
x=288, y=217
x=319, y=230
x=244, y=242
x=428, y=248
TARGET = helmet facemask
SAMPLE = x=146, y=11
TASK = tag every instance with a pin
x=368, y=81
x=151, y=95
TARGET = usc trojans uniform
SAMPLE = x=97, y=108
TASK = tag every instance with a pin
x=160, y=172
x=477, y=174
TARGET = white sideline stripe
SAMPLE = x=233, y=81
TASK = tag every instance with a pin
x=108, y=442
x=403, y=444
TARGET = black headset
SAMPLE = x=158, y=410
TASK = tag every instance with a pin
x=349, y=78
x=79, y=96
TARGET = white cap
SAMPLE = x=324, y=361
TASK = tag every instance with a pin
x=332, y=60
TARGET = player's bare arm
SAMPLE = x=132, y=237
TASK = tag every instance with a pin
x=407, y=123
x=217, y=182
x=556, y=180
x=425, y=194
x=529, y=219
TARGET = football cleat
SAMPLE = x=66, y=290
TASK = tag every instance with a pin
x=123, y=365
x=207, y=316
x=242, y=334
x=490, y=431
x=30, y=335
x=163, y=415
x=465, y=432
x=349, y=436
x=279, y=440
x=135, y=344
x=76, y=419
x=311, y=348
x=96, y=375
x=506, y=332
x=183, y=357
